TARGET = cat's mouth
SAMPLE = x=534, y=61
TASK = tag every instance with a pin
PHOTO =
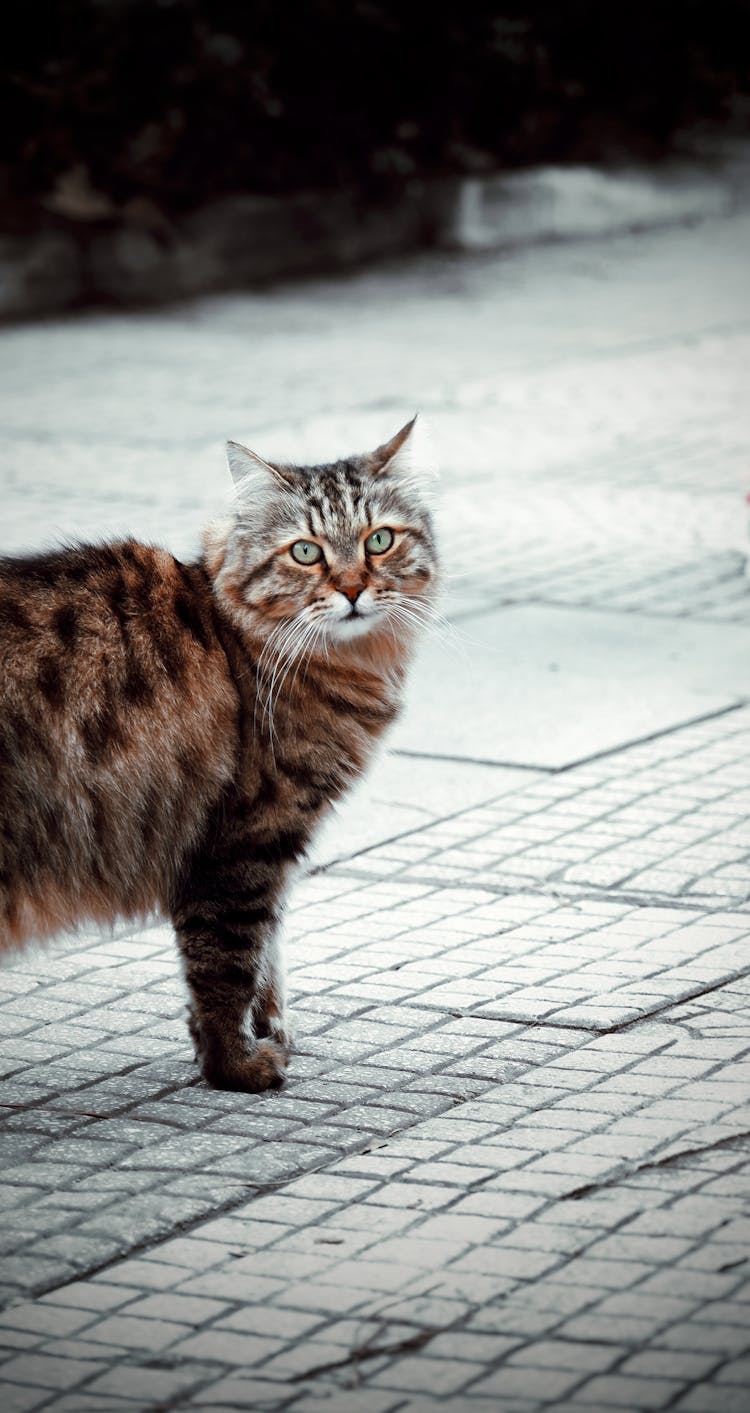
x=353, y=623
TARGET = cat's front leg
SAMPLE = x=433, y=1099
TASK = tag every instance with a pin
x=236, y=1013
x=269, y=1010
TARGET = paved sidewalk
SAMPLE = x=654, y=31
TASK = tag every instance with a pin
x=510, y=1170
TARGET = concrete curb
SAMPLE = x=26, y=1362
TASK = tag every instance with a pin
x=235, y=242
x=571, y=203
x=241, y=241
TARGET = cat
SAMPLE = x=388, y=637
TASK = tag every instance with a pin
x=172, y=733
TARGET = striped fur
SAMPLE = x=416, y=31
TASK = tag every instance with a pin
x=171, y=734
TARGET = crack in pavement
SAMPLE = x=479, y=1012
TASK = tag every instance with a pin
x=549, y=1022
x=628, y=1171
x=361, y=1353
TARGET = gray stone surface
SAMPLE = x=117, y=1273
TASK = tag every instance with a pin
x=510, y=1168
x=402, y=794
x=551, y=686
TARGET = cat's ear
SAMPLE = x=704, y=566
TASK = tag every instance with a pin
x=386, y=454
x=253, y=476
x=244, y=463
x=407, y=456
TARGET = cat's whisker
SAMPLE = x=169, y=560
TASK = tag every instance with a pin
x=274, y=640
x=452, y=576
x=318, y=630
x=420, y=613
x=275, y=644
x=431, y=617
x=284, y=647
x=437, y=627
x=453, y=631
x=295, y=655
x=287, y=656
x=293, y=645
x=269, y=653
x=275, y=652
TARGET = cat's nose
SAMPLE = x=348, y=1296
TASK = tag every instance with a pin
x=351, y=591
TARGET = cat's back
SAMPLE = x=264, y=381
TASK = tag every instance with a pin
x=118, y=726
x=125, y=620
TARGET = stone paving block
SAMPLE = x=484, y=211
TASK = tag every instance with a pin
x=333, y=1299
x=340, y=1401
x=615, y=1390
x=18, y=1339
x=186, y=1309
x=443, y=1378
x=20, y=1399
x=131, y=1333
x=226, y=1347
x=228, y=1285
x=282, y=1324
x=564, y=1354
x=149, y=1386
x=713, y=1398
x=43, y=1320
x=684, y=1365
x=179, y=1254
x=45, y=1371
x=691, y=1334
x=372, y=1219
x=94, y=1294
x=81, y=1348
x=243, y=1393
x=538, y=1385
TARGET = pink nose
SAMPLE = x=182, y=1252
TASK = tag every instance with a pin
x=351, y=591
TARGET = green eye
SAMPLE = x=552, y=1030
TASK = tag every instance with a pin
x=379, y=541
x=305, y=552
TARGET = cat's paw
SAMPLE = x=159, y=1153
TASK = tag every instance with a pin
x=251, y=1071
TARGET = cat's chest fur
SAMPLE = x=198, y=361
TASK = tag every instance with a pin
x=303, y=744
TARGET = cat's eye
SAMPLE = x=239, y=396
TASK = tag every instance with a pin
x=379, y=541
x=306, y=552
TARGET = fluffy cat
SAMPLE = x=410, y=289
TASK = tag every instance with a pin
x=171, y=734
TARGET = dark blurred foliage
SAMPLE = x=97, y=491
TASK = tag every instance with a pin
x=175, y=101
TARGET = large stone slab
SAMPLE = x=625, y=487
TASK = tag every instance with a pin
x=547, y=687
x=403, y=793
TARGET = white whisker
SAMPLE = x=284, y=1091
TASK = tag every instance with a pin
x=304, y=632
x=415, y=614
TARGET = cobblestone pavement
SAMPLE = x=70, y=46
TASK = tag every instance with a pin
x=510, y=1168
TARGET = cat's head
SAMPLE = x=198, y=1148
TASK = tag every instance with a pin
x=339, y=552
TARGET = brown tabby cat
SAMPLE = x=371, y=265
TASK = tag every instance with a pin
x=171, y=734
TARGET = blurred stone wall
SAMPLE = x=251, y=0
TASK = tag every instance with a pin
x=121, y=120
